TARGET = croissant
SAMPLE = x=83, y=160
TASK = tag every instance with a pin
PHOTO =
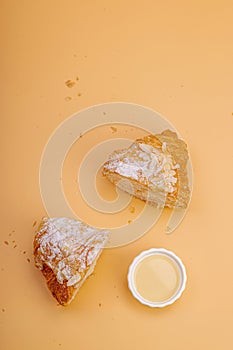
x=66, y=252
x=154, y=169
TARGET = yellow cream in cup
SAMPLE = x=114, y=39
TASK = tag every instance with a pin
x=157, y=277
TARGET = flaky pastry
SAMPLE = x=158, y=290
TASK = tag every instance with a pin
x=66, y=252
x=153, y=169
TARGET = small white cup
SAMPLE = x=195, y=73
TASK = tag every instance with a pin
x=175, y=259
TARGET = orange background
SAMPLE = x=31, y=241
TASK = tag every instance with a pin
x=173, y=56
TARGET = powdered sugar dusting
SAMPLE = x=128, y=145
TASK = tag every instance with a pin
x=142, y=162
x=68, y=247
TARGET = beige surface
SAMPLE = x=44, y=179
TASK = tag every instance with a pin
x=173, y=56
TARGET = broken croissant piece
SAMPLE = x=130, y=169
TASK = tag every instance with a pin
x=66, y=252
x=153, y=169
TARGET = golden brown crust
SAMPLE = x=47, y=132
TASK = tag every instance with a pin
x=66, y=252
x=157, y=142
x=151, y=140
x=61, y=292
x=177, y=148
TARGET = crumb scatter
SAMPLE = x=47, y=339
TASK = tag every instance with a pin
x=113, y=128
x=132, y=209
x=68, y=98
x=70, y=83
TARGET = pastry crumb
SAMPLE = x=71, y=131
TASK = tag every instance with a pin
x=69, y=83
x=132, y=209
x=24, y=252
x=100, y=304
x=113, y=128
x=34, y=223
x=15, y=246
x=28, y=260
x=79, y=94
x=6, y=242
x=77, y=78
x=3, y=310
x=129, y=221
x=68, y=98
